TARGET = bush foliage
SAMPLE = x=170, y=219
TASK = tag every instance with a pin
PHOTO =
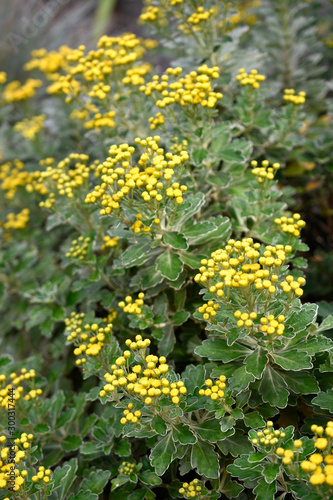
x=155, y=338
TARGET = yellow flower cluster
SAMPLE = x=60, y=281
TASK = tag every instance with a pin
x=17, y=221
x=209, y=310
x=109, y=242
x=271, y=325
x=79, y=249
x=214, y=390
x=319, y=466
x=101, y=121
x=135, y=76
x=288, y=454
x=265, y=171
x=191, y=490
x=241, y=266
x=252, y=78
x=16, y=379
x=243, y=15
x=131, y=307
x=3, y=77
x=127, y=468
x=130, y=416
x=49, y=63
x=149, y=14
x=90, y=73
x=245, y=319
x=13, y=176
x=42, y=474
x=268, y=437
x=156, y=121
x=268, y=325
x=290, y=96
x=145, y=381
x=15, y=481
x=14, y=91
x=290, y=286
x=178, y=147
x=291, y=225
x=88, y=339
x=111, y=316
x=150, y=180
x=29, y=127
x=69, y=174
x=197, y=19
x=138, y=226
x=192, y=89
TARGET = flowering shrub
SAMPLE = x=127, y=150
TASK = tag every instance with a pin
x=156, y=340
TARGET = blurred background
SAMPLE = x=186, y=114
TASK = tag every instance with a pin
x=32, y=24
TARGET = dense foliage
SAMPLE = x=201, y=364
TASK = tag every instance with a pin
x=156, y=342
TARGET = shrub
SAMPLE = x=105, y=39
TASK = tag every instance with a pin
x=155, y=338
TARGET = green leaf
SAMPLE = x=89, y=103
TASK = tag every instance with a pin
x=4, y=360
x=299, y=320
x=161, y=454
x=240, y=380
x=300, y=382
x=300, y=262
x=263, y=118
x=327, y=324
x=149, y=477
x=71, y=443
x=257, y=456
x=42, y=428
x=192, y=260
x=265, y=491
x=96, y=481
x=230, y=153
x=292, y=360
x=91, y=449
x=182, y=433
x=193, y=377
x=159, y=425
x=273, y=388
x=236, y=444
x=189, y=208
x=63, y=478
x=209, y=430
x=199, y=232
x=205, y=459
x=180, y=317
x=65, y=418
x=135, y=255
x=84, y=495
x=227, y=423
x=220, y=179
x=119, y=481
x=256, y=362
x=175, y=240
x=270, y=472
x=138, y=495
x=198, y=155
x=253, y=420
x=168, y=340
x=180, y=299
x=253, y=473
x=147, y=277
x=123, y=448
x=324, y=400
x=169, y=265
x=231, y=489
x=218, y=349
